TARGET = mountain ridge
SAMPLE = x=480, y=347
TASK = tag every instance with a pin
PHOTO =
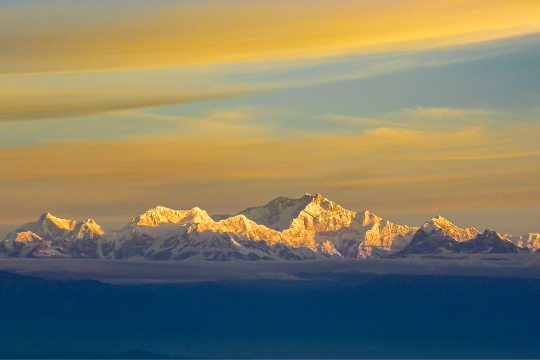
x=308, y=227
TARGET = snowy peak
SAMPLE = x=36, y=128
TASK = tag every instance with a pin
x=163, y=215
x=50, y=227
x=431, y=241
x=533, y=241
x=282, y=212
x=315, y=198
x=321, y=215
x=87, y=229
x=321, y=225
x=319, y=201
x=438, y=235
x=53, y=236
x=238, y=222
x=489, y=242
x=530, y=240
x=437, y=223
x=369, y=218
x=47, y=221
x=245, y=228
x=47, y=227
x=445, y=226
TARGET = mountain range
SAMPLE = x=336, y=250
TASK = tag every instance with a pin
x=311, y=227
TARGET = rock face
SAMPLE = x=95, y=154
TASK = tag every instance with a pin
x=310, y=227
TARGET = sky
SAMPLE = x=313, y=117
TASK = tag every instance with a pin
x=407, y=108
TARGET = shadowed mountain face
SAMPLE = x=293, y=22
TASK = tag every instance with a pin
x=436, y=241
x=308, y=228
x=488, y=242
x=327, y=316
x=433, y=242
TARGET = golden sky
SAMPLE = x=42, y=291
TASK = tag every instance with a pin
x=79, y=35
x=398, y=106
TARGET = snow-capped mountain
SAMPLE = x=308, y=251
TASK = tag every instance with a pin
x=530, y=241
x=437, y=240
x=51, y=236
x=162, y=215
x=488, y=242
x=279, y=213
x=163, y=233
x=444, y=225
x=318, y=223
x=309, y=227
x=430, y=241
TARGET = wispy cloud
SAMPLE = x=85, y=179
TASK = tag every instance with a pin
x=419, y=118
x=83, y=93
x=79, y=35
x=47, y=106
x=446, y=113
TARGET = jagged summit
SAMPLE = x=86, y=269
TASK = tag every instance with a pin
x=441, y=224
x=369, y=218
x=434, y=242
x=240, y=220
x=48, y=219
x=488, y=242
x=529, y=240
x=315, y=197
x=52, y=236
x=280, y=213
x=88, y=229
x=47, y=223
x=163, y=215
